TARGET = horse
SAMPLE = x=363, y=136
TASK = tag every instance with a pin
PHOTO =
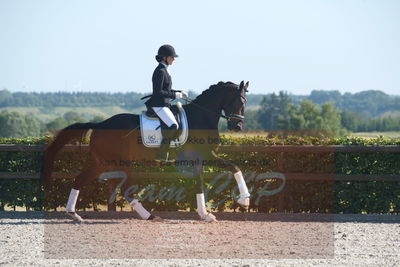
x=116, y=138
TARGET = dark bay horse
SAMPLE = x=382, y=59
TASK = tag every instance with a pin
x=117, y=138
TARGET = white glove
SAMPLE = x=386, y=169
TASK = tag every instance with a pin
x=178, y=95
x=184, y=94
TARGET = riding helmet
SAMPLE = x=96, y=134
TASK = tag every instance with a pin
x=166, y=51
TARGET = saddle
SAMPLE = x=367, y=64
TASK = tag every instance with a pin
x=150, y=128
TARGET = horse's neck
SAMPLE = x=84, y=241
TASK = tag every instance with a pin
x=203, y=115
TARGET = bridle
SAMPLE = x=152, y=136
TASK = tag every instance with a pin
x=230, y=117
x=237, y=116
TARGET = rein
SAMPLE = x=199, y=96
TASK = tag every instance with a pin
x=228, y=118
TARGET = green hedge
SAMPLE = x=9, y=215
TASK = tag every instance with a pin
x=269, y=195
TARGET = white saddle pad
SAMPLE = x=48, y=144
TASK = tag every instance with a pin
x=151, y=130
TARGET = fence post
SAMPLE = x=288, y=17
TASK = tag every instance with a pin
x=281, y=197
x=111, y=206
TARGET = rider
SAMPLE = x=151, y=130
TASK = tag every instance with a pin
x=162, y=95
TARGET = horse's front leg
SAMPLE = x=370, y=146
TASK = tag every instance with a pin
x=244, y=198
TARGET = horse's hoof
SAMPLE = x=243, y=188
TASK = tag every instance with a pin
x=75, y=217
x=244, y=202
x=155, y=218
x=209, y=217
x=158, y=219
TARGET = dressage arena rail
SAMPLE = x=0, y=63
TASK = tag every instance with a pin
x=240, y=148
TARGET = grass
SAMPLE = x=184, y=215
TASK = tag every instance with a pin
x=265, y=133
x=377, y=134
x=47, y=114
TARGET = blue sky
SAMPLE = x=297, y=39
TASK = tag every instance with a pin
x=297, y=46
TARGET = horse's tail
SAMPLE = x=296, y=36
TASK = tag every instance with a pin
x=74, y=131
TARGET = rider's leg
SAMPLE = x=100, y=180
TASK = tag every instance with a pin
x=166, y=115
x=169, y=126
x=168, y=134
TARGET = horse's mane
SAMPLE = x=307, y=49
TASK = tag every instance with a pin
x=206, y=94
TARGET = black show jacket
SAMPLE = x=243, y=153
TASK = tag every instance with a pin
x=162, y=88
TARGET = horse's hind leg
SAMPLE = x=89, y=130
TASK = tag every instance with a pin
x=89, y=174
x=133, y=202
x=201, y=204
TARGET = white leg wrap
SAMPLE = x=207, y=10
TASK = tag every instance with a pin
x=143, y=213
x=73, y=197
x=202, y=211
x=244, y=192
x=201, y=204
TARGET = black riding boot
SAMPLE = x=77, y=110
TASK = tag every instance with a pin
x=168, y=135
x=163, y=150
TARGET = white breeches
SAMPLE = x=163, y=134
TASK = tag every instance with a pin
x=165, y=115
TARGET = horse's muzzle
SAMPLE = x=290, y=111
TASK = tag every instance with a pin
x=236, y=128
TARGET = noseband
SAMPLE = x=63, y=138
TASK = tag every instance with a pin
x=230, y=117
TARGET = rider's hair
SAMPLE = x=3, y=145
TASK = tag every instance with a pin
x=159, y=58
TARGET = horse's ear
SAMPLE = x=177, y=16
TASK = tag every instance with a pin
x=246, y=86
x=241, y=85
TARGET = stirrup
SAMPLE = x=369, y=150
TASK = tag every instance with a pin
x=161, y=158
x=164, y=160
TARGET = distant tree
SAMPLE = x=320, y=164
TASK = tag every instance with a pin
x=274, y=109
x=73, y=117
x=332, y=119
x=309, y=116
x=352, y=121
x=268, y=112
x=56, y=124
x=13, y=124
x=312, y=115
x=369, y=103
x=382, y=124
x=322, y=96
x=98, y=118
x=250, y=121
x=296, y=120
x=5, y=98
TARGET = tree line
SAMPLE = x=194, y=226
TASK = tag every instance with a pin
x=367, y=104
x=280, y=112
x=68, y=99
x=14, y=124
x=321, y=110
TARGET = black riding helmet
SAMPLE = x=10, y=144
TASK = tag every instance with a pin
x=166, y=51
